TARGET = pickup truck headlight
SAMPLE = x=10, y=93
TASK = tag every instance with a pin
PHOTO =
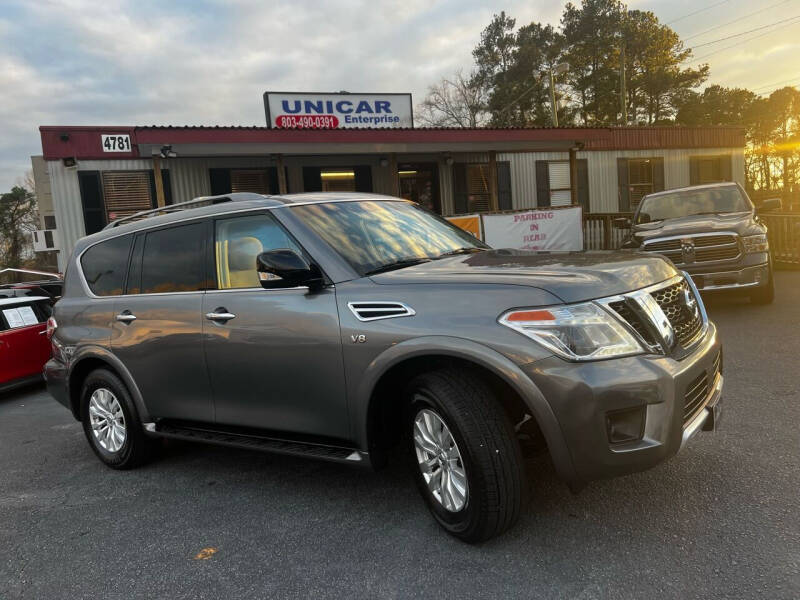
x=755, y=243
x=575, y=332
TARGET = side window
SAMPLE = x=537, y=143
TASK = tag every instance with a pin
x=239, y=241
x=172, y=260
x=24, y=315
x=104, y=265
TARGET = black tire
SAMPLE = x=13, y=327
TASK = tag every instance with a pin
x=485, y=439
x=764, y=294
x=137, y=448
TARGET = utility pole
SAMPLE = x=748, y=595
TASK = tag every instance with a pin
x=553, y=106
x=623, y=106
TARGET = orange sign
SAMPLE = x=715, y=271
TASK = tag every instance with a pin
x=469, y=223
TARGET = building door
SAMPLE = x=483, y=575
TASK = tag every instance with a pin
x=419, y=182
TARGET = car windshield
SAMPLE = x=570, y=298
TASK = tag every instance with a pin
x=376, y=236
x=685, y=203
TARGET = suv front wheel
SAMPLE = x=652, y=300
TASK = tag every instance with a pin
x=467, y=461
x=111, y=424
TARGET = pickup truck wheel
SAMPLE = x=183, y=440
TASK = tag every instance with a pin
x=467, y=461
x=111, y=424
x=764, y=294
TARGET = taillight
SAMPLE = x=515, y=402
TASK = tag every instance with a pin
x=51, y=327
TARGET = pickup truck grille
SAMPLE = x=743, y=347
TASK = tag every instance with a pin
x=697, y=249
x=680, y=306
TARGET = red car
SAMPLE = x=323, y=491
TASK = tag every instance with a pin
x=24, y=344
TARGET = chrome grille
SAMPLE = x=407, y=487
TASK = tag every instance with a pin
x=685, y=323
x=704, y=248
x=673, y=329
x=693, y=399
x=698, y=390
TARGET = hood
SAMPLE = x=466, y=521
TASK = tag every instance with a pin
x=741, y=223
x=571, y=276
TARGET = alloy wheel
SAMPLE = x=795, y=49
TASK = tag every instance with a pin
x=107, y=420
x=440, y=460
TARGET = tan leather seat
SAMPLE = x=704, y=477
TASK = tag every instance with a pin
x=242, y=255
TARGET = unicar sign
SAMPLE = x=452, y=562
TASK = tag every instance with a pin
x=337, y=111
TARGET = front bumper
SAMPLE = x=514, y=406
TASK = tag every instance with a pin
x=739, y=278
x=585, y=397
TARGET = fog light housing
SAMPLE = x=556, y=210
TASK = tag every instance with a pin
x=625, y=425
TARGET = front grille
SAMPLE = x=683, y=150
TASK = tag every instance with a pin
x=624, y=311
x=707, y=248
x=695, y=396
x=663, y=246
x=685, y=322
x=712, y=254
x=698, y=390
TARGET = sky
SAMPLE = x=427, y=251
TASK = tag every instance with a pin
x=208, y=62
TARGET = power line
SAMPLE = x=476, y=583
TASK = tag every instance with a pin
x=769, y=85
x=695, y=12
x=728, y=37
x=735, y=20
x=768, y=92
x=755, y=37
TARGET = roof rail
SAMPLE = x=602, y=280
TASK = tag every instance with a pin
x=163, y=210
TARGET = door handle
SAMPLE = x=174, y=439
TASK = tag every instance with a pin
x=43, y=332
x=126, y=316
x=220, y=314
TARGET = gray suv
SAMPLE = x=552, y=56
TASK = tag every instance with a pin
x=337, y=326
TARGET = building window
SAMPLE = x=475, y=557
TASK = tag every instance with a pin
x=126, y=193
x=338, y=180
x=709, y=169
x=640, y=179
x=49, y=222
x=478, y=187
x=558, y=176
x=249, y=180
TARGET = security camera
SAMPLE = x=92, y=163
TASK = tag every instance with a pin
x=167, y=152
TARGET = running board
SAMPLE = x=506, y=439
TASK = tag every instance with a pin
x=256, y=442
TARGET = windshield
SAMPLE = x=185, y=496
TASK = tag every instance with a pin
x=374, y=236
x=726, y=199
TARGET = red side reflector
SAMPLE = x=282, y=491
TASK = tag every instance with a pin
x=531, y=315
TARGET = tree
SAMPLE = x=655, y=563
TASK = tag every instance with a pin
x=18, y=219
x=459, y=101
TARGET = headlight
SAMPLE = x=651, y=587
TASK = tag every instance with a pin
x=575, y=332
x=755, y=243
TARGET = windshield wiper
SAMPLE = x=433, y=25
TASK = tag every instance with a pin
x=465, y=250
x=398, y=264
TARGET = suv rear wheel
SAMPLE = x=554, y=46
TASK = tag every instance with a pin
x=111, y=424
x=466, y=458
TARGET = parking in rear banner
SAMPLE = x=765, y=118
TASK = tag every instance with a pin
x=337, y=111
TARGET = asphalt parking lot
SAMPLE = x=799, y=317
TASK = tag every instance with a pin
x=720, y=520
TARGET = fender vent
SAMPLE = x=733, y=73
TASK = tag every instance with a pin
x=372, y=311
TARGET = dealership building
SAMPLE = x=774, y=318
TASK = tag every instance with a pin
x=89, y=176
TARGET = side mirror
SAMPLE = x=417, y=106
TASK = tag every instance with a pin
x=770, y=204
x=286, y=268
x=622, y=223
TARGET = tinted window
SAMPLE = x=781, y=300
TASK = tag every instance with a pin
x=23, y=315
x=239, y=241
x=708, y=201
x=172, y=260
x=104, y=266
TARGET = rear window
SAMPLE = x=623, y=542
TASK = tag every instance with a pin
x=172, y=260
x=104, y=266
